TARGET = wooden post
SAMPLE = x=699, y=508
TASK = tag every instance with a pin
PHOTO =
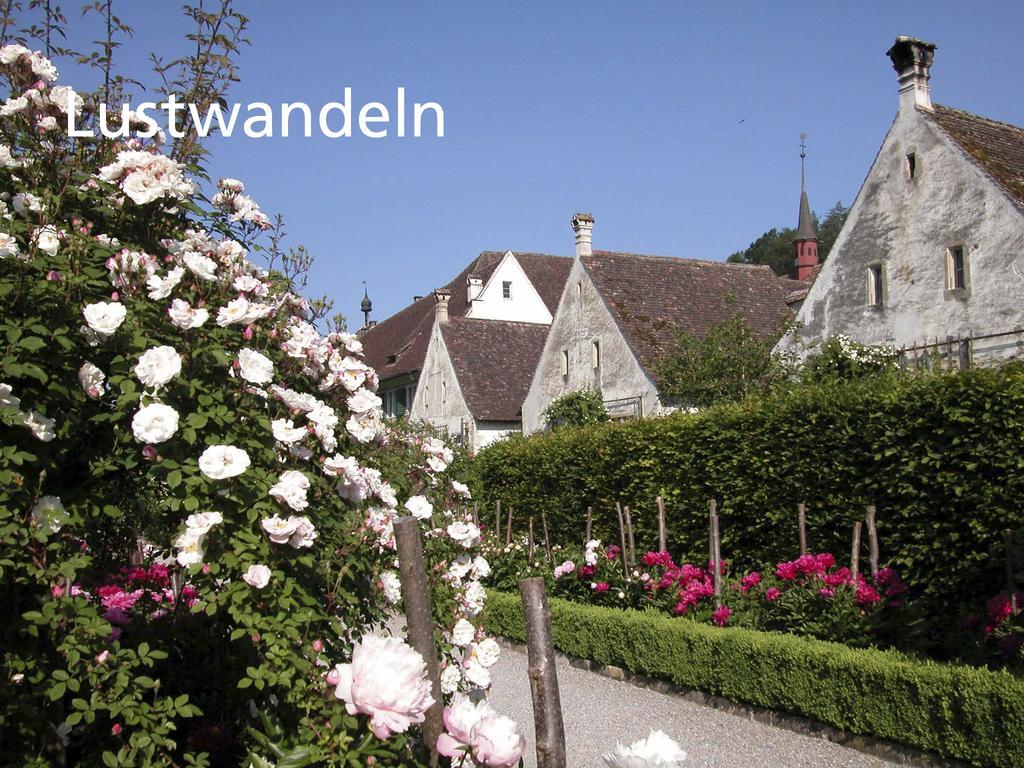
x=540, y=654
x=662, y=532
x=855, y=552
x=622, y=542
x=629, y=536
x=801, y=515
x=476, y=516
x=590, y=524
x=547, y=541
x=872, y=539
x=508, y=535
x=716, y=551
x=1011, y=587
x=419, y=620
x=497, y=523
x=529, y=542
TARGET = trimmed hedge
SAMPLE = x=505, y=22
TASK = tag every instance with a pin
x=942, y=456
x=961, y=712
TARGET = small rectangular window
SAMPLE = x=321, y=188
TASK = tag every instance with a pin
x=911, y=165
x=876, y=284
x=595, y=354
x=579, y=289
x=565, y=362
x=956, y=268
x=506, y=289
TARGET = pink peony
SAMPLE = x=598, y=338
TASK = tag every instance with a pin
x=866, y=595
x=601, y=587
x=663, y=559
x=750, y=581
x=771, y=594
x=386, y=680
x=459, y=719
x=721, y=615
x=497, y=743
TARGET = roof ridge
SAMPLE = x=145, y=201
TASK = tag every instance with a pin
x=686, y=259
x=974, y=115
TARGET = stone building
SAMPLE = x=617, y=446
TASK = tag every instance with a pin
x=620, y=313
x=461, y=358
x=933, y=247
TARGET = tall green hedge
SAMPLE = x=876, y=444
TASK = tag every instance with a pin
x=969, y=714
x=940, y=456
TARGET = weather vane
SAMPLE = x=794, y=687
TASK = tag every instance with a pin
x=803, y=154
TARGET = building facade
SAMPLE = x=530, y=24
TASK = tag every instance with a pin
x=933, y=247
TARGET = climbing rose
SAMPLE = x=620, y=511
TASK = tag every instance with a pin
x=104, y=317
x=291, y=489
x=219, y=462
x=658, y=750
x=155, y=423
x=386, y=680
x=255, y=367
x=157, y=366
x=419, y=507
x=48, y=513
x=91, y=379
x=257, y=576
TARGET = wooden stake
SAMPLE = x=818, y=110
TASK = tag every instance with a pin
x=872, y=539
x=1011, y=587
x=622, y=542
x=855, y=551
x=801, y=510
x=540, y=654
x=508, y=534
x=476, y=516
x=590, y=524
x=662, y=532
x=716, y=551
x=419, y=620
x=629, y=536
x=497, y=523
x=529, y=542
x=547, y=541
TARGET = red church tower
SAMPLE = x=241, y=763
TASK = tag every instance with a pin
x=806, y=237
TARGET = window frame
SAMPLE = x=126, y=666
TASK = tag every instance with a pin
x=876, y=287
x=565, y=363
x=506, y=289
x=951, y=270
x=595, y=354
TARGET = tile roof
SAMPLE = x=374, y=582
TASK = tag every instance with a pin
x=494, y=361
x=997, y=147
x=398, y=345
x=651, y=298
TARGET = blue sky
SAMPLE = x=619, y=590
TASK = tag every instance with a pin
x=676, y=124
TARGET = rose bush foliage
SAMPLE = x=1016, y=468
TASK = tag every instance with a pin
x=196, y=486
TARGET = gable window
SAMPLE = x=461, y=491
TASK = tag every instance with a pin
x=911, y=165
x=956, y=268
x=579, y=289
x=876, y=285
x=506, y=289
x=595, y=354
x=565, y=362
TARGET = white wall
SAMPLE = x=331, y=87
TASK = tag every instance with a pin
x=439, y=401
x=525, y=304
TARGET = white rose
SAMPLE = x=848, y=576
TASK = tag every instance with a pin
x=451, y=676
x=157, y=366
x=279, y=529
x=25, y=203
x=364, y=401
x=219, y=462
x=463, y=633
x=305, y=533
x=477, y=674
x=8, y=246
x=461, y=489
x=190, y=549
x=419, y=507
x=160, y=288
x=42, y=427
x=49, y=514
x=8, y=399
x=257, y=576
x=487, y=652
x=391, y=585
x=186, y=317
x=473, y=598
x=291, y=489
x=255, y=367
x=466, y=534
x=155, y=423
x=47, y=240
x=104, y=317
x=481, y=568
x=234, y=311
x=202, y=523
x=201, y=266
x=285, y=431
x=92, y=379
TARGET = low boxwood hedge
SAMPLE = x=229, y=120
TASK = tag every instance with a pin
x=969, y=714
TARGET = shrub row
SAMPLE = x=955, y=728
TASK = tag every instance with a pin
x=941, y=456
x=960, y=712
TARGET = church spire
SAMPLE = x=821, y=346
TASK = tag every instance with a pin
x=366, y=307
x=806, y=237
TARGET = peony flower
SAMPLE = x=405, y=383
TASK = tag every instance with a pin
x=47, y=240
x=720, y=616
x=771, y=594
x=91, y=379
x=104, y=317
x=255, y=367
x=419, y=507
x=155, y=423
x=219, y=462
x=658, y=750
x=386, y=680
x=460, y=717
x=391, y=586
x=496, y=742
x=157, y=366
x=185, y=317
x=291, y=489
x=257, y=576
x=564, y=569
x=49, y=515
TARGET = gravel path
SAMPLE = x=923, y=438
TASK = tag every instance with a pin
x=598, y=712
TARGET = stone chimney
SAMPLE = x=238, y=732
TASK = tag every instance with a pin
x=912, y=60
x=474, y=287
x=583, y=226
x=441, y=297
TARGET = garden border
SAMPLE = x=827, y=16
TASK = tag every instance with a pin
x=503, y=617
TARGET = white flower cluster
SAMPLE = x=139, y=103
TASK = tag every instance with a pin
x=147, y=176
x=880, y=355
x=297, y=532
x=191, y=542
x=130, y=270
x=239, y=207
x=43, y=428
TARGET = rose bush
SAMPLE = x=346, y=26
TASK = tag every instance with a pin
x=196, y=486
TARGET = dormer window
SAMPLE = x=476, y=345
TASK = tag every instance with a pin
x=506, y=289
